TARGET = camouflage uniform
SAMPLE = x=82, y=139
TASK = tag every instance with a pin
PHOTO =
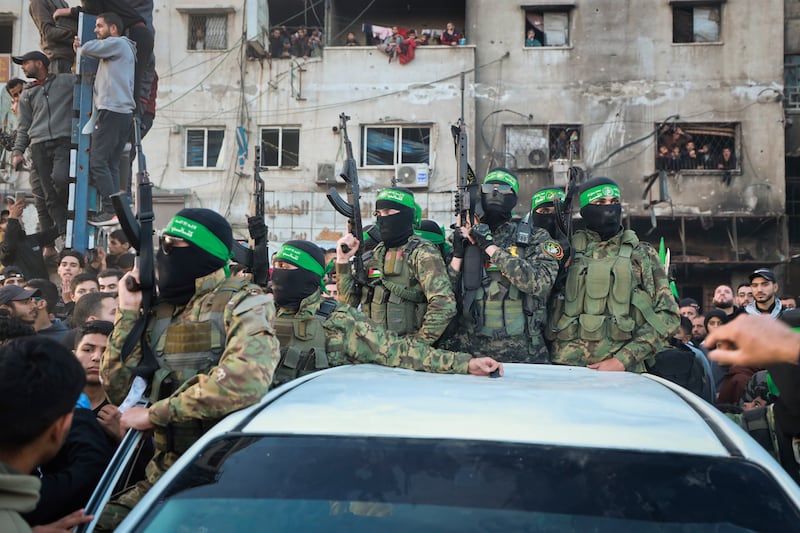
x=428, y=294
x=597, y=333
x=350, y=338
x=239, y=379
x=531, y=272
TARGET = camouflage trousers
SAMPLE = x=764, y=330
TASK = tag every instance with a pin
x=516, y=349
x=121, y=504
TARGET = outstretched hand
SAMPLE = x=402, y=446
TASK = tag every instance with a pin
x=483, y=366
x=755, y=341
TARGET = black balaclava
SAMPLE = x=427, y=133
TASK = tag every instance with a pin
x=497, y=207
x=544, y=197
x=178, y=271
x=605, y=220
x=396, y=229
x=290, y=287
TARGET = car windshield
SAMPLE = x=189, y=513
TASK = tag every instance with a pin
x=352, y=484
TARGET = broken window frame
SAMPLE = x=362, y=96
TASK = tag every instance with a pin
x=688, y=13
x=401, y=145
x=548, y=134
x=548, y=27
x=717, y=135
x=208, y=148
x=281, y=154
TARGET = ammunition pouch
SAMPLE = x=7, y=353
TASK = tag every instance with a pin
x=179, y=437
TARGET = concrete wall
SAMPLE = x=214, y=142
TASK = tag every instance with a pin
x=622, y=74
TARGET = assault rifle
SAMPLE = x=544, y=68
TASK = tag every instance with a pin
x=256, y=256
x=468, y=209
x=139, y=231
x=563, y=210
x=352, y=207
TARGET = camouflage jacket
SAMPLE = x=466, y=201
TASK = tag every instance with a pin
x=649, y=280
x=532, y=270
x=351, y=338
x=429, y=274
x=242, y=375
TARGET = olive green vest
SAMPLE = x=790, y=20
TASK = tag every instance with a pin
x=184, y=349
x=398, y=302
x=500, y=306
x=601, y=299
x=302, y=344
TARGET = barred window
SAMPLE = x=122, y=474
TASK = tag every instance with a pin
x=698, y=146
x=386, y=146
x=530, y=147
x=208, y=32
x=280, y=147
x=696, y=23
x=203, y=147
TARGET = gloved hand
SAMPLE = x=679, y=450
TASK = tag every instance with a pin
x=257, y=228
x=458, y=244
x=482, y=235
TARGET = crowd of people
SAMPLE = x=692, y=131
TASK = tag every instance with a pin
x=677, y=151
x=124, y=87
x=397, y=42
x=498, y=289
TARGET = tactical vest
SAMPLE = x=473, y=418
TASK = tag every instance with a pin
x=398, y=302
x=184, y=349
x=601, y=300
x=500, y=309
x=302, y=344
x=499, y=306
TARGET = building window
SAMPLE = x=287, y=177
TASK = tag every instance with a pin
x=385, y=146
x=203, y=147
x=532, y=147
x=208, y=32
x=696, y=23
x=698, y=146
x=547, y=26
x=280, y=147
x=791, y=82
x=6, y=34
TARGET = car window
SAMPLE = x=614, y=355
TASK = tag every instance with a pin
x=342, y=484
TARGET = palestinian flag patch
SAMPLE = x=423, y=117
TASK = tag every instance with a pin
x=553, y=249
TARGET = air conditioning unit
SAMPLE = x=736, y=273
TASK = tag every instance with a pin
x=327, y=173
x=411, y=175
x=526, y=147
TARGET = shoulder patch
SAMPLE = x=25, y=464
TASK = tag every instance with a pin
x=553, y=249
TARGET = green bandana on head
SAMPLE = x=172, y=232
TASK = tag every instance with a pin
x=546, y=196
x=300, y=258
x=200, y=236
x=503, y=176
x=396, y=196
x=605, y=190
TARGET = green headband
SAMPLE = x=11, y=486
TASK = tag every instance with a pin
x=505, y=177
x=431, y=236
x=398, y=197
x=545, y=196
x=601, y=191
x=199, y=235
x=300, y=258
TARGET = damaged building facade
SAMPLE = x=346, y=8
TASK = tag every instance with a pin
x=611, y=87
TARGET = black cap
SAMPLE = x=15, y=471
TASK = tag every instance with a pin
x=35, y=55
x=11, y=272
x=15, y=293
x=686, y=302
x=765, y=273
